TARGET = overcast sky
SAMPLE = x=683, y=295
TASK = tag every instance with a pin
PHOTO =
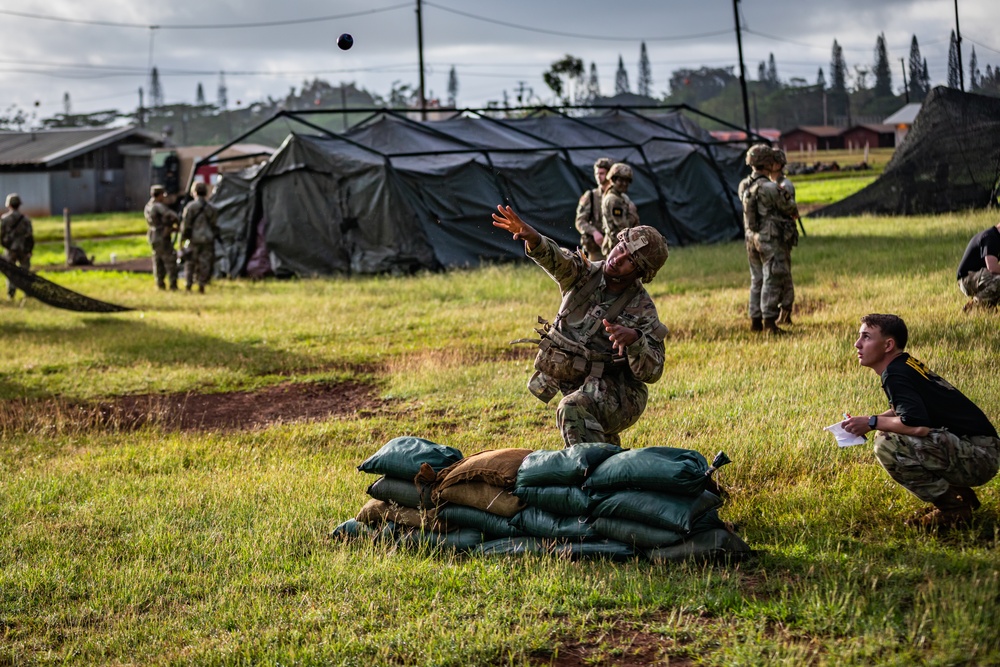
x=100, y=51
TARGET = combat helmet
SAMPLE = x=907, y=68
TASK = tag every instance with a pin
x=13, y=200
x=620, y=170
x=759, y=155
x=779, y=156
x=647, y=248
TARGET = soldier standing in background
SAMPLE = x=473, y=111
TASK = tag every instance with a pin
x=199, y=228
x=617, y=210
x=162, y=223
x=765, y=206
x=979, y=271
x=588, y=212
x=16, y=237
x=606, y=343
x=790, y=237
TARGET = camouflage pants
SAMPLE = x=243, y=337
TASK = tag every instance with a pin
x=787, y=297
x=199, y=264
x=164, y=263
x=22, y=259
x=927, y=466
x=982, y=286
x=769, y=271
x=600, y=409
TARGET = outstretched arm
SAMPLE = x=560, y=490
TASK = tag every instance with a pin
x=509, y=220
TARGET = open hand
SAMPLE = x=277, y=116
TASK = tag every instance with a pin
x=509, y=220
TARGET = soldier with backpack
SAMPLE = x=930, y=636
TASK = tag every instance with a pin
x=606, y=342
x=199, y=230
x=588, y=212
x=16, y=237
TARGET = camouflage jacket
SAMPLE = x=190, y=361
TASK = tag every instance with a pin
x=572, y=271
x=617, y=213
x=15, y=233
x=588, y=212
x=772, y=208
x=160, y=220
x=199, y=222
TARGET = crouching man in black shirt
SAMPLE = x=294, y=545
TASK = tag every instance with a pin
x=932, y=440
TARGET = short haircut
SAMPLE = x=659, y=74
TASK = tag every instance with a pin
x=891, y=326
x=199, y=189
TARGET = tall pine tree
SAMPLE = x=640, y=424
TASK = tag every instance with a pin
x=644, y=84
x=222, y=93
x=155, y=89
x=821, y=79
x=974, y=74
x=883, y=72
x=772, y=71
x=916, y=72
x=452, y=87
x=593, y=84
x=838, y=101
x=954, y=67
x=199, y=95
x=621, y=78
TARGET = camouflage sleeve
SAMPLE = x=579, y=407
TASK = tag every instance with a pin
x=186, y=216
x=645, y=355
x=563, y=266
x=213, y=219
x=585, y=214
x=776, y=199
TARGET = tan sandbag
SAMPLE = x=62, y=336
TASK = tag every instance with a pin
x=377, y=512
x=487, y=497
x=497, y=467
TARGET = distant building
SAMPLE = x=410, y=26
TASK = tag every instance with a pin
x=811, y=138
x=869, y=135
x=84, y=170
x=903, y=119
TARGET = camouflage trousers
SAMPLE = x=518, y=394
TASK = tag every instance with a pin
x=787, y=297
x=769, y=273
x=982, y=286
x=927, y=466
x=22, y=259
x=600, y=409
x=199, y=264
x=164, y=263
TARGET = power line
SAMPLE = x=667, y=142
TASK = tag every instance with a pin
x=202, y=26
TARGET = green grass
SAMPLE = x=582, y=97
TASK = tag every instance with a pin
x=89, y=226
x=813, y=193
x=155, y=547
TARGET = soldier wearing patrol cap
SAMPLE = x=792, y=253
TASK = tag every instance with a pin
x=617, y=210
x=606, y=342
x=162, y=223
x=765, y=206
x=16, y=237
x=588, y=212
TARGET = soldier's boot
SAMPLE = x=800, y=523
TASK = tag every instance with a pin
x=969, y=496
x=756, y=324
x=771, y=327
x=951, y=509
x=201, y=289
x=784, y=316
x=970, y=305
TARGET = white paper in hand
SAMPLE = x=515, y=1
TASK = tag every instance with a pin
x=844, y=439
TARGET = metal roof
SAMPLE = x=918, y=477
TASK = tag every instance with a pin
x=47, y=148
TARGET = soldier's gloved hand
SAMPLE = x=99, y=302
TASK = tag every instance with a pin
x=621, y=336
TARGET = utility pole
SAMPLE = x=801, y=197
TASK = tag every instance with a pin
x=958, y=46
x=420, y=53
x=743, y=77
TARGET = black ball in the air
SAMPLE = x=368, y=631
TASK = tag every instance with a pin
x=345, y=41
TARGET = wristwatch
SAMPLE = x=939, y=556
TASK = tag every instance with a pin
x=873, y=422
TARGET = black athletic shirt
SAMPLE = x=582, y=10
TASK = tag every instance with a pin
x=986, y=242
x=921, y=397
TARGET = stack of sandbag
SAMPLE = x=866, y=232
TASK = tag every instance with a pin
x=656, y=499
x=396, y=500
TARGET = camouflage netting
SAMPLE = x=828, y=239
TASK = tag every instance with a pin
x=52, y=294
x=949, y=161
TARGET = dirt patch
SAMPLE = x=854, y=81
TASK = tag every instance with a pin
x=623, y=645
x=283, y=403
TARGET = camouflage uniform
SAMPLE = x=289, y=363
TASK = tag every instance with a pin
x=200, y=227
x=974, y=279
x=17, y=238
x=769, y=267
x=790, y=239
x=601, y=406
x=162, y=223
x=588, y=213
x=617, y=210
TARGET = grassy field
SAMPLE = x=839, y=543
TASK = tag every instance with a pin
x=153, y=546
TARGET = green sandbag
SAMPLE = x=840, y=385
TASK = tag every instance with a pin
x=714, y=544
x=462, y=539
x=663, y=510
x=509, y=546
x=452, y=517
x=400, y=491
x=539, y=523
x=564, y=467
x=662, y=469
x=636, y=534
x=708, y=521
x=401, y=457
x=607, y=549
x=562, y=500
x=352, y=529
